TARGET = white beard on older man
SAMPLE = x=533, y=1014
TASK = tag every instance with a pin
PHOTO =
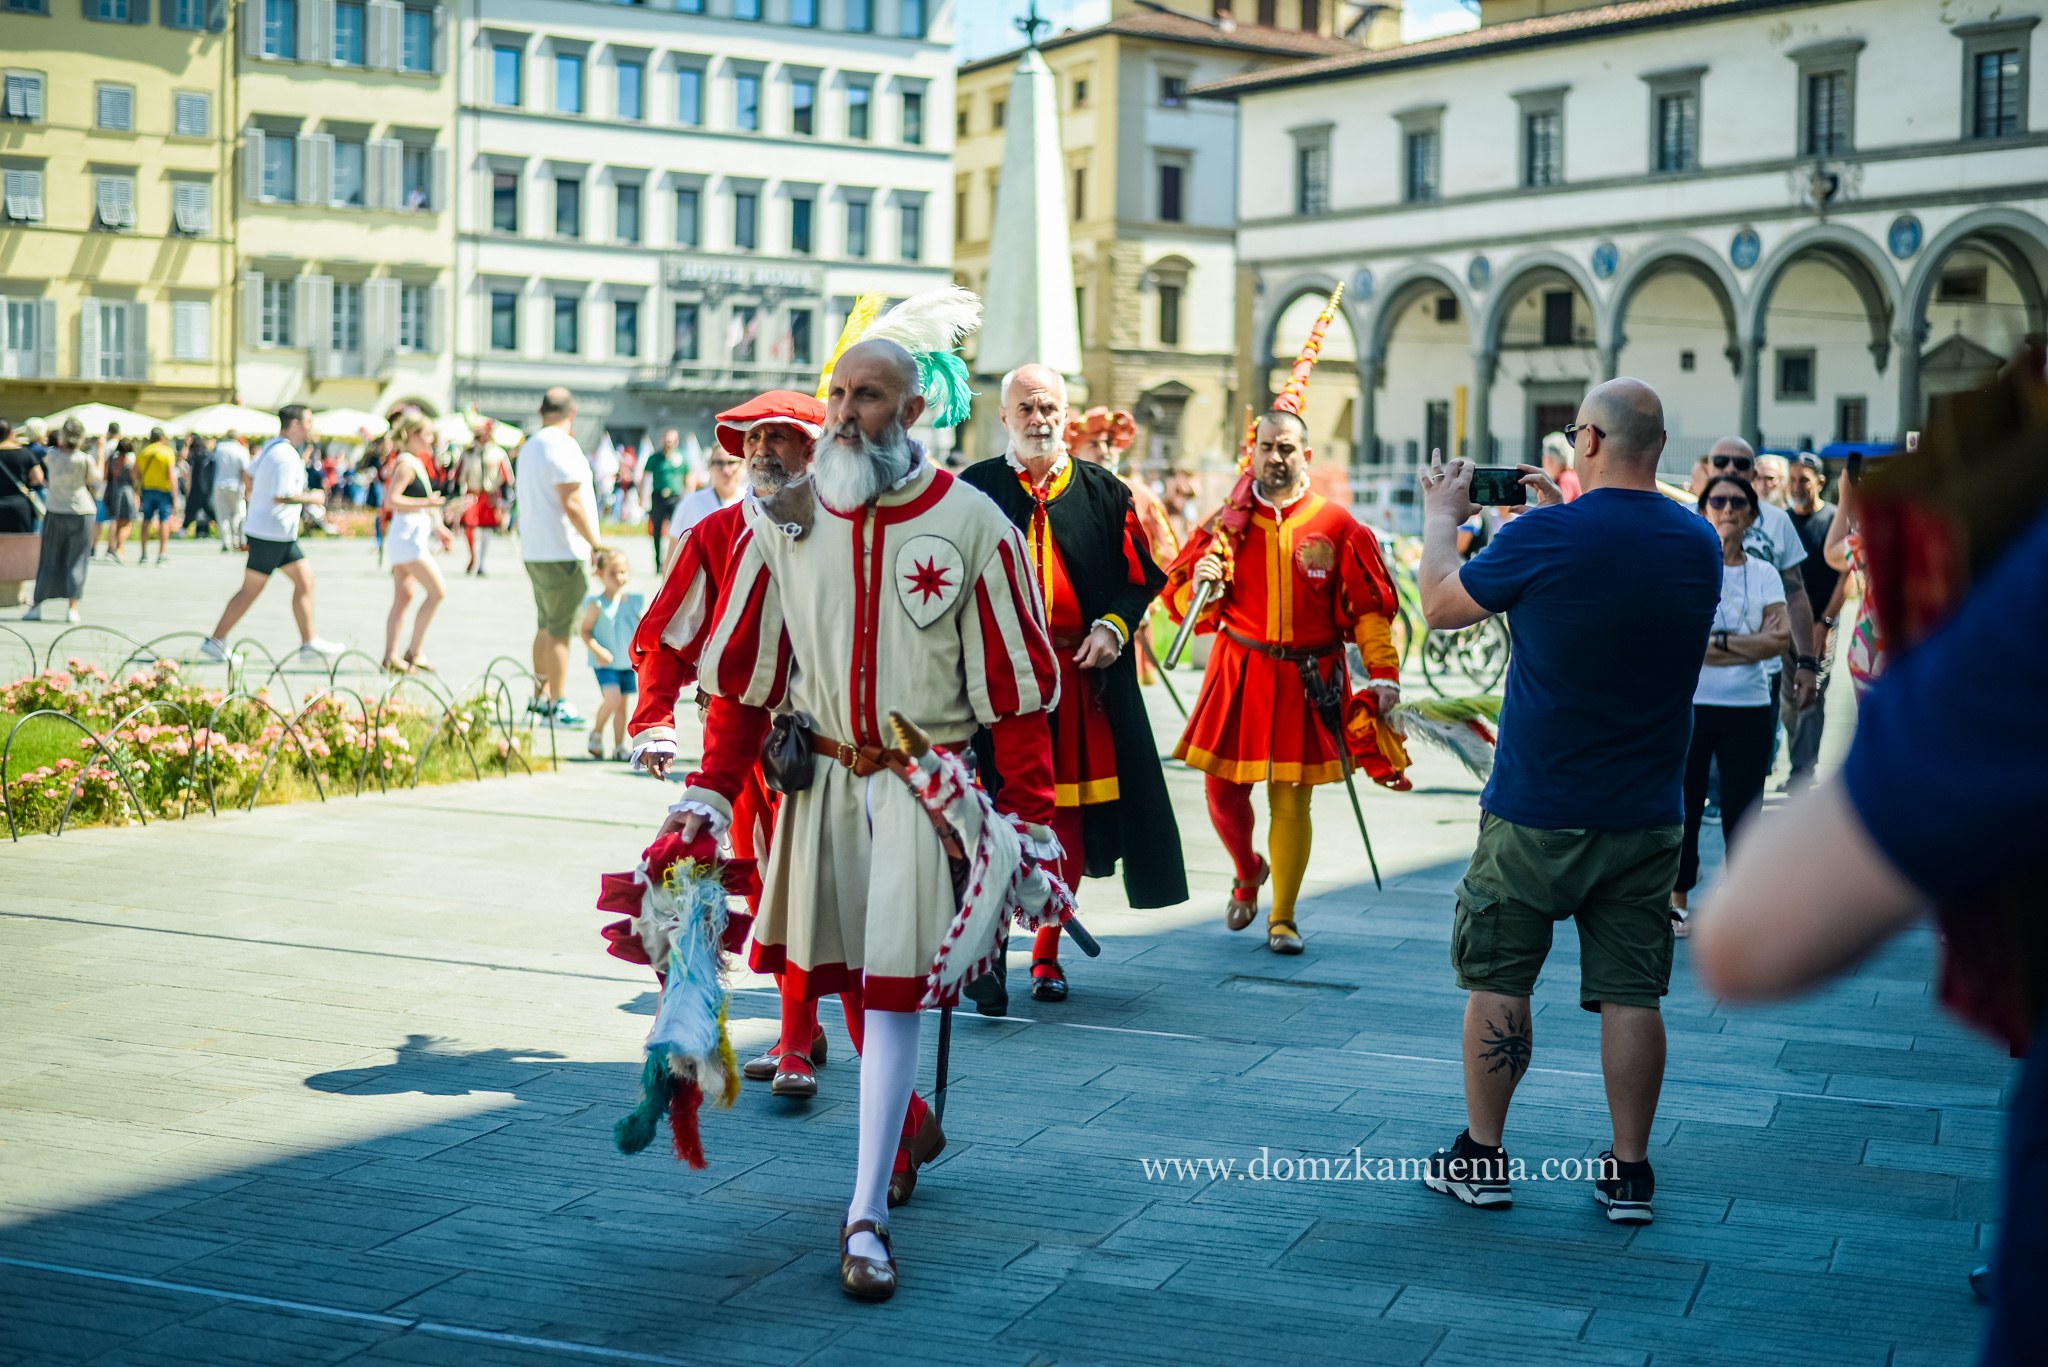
x=854, y=470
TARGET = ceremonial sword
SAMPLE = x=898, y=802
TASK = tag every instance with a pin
x=1326, y=700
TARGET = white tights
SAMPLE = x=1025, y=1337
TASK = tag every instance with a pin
x=888, y=1068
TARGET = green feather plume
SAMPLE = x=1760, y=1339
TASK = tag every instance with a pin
x=942, y=379
x=1481, y=707
x=635, y=1130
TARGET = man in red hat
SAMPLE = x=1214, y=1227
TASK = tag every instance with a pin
x=775, y=435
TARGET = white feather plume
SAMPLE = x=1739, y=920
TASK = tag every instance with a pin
x=933, y=320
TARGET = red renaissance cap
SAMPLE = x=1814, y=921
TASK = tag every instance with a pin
x=800, y=411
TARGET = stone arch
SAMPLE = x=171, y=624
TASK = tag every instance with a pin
x=1859, y=259
x=2016, y=240
x=1685, y=256
x=1395, y=293
x=1523, y=274
x=1283, y=297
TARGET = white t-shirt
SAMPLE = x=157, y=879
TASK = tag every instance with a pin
x=277, y=472
x=699, y=504
x=1746, y=590
x=1773, y=539
x=230, y=460
x=549, y=459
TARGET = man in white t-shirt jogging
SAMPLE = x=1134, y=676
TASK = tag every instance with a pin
x=557, y=529
x=230, y=490
x=276, y=481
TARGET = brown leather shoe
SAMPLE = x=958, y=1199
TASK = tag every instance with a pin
x=794, y=1078
x=921, y=1148
x=1243, y=906
x=866, y=1279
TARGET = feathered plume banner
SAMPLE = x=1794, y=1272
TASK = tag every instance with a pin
x=1294, y=395
x=676, y=902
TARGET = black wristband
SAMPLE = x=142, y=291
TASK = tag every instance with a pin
x=1807, y=662
x=1720, y=640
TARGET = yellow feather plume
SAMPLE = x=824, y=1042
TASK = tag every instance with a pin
x=866, y=309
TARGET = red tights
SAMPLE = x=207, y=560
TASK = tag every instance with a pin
x=1066, y=824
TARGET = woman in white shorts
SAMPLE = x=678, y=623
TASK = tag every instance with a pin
x=415, y=528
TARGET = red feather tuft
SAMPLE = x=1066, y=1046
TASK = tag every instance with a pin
x=682, y=1122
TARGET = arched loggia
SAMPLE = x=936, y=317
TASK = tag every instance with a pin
x=1849, y=254
x=1678, y=302
x=1503, y=324
x=1392, y=310
x=2016, y=243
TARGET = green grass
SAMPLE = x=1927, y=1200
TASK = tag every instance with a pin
x=43, y=741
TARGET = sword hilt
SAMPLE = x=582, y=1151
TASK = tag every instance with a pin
x=1204, y=591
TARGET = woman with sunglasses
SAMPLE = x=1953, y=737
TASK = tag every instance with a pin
x=1732, y=716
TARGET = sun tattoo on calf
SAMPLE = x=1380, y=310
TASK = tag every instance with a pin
x=1509, y=1048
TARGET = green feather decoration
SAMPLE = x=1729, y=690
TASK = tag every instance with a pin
x=942, y=379
x=635, y=1130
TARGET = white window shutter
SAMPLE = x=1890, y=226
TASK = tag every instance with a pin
x=316, y=322
x=252, y=309
x=105, y=211
x=373, y=175
x=440, y=40
x=202, y=208
x=46, y=339
x=316, y=30
x=394, y=174
x=386, y=18
x=89, y=339
x=323, y=145
x=138, y=341
x=252, y=28
x=252, y=164
x=437, y=319
x=437, y=180
x=380, y=322
x=308, y=187
x=124, y=198
x=35, y=99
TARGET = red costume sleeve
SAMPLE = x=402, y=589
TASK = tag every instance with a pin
x=1024, y=759
x=732, y=746
x=1368, y=604
x=1180, y=577
x=688, y=603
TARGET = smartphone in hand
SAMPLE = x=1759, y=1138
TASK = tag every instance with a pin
x=1498, y=486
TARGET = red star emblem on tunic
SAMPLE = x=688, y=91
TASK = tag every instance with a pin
x=929, y=580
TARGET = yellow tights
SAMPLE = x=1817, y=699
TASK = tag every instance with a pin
x=1289, y=840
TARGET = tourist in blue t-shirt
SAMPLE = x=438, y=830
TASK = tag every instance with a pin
x=1936, y=803
x=1609, y=600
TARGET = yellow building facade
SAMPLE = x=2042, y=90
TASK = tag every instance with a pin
x=117, y=255
x=345, y=246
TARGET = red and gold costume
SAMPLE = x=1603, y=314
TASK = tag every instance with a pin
x=1302, y=582
x=1306, y=580
x=1093, y=567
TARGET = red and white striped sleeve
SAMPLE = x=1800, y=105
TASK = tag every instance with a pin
x=670, y=638
x=1005, y=650
x=746, y=656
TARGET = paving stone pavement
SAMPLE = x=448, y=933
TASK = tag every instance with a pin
x=327, y=1084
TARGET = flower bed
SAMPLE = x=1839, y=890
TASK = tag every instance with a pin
x=181, y=747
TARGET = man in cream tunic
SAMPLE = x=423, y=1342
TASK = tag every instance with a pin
x=912, y=592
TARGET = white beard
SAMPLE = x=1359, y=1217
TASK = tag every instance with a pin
x=1035, y=445
x=853, y=471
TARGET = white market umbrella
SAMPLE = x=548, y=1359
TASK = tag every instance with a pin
x=219, y=419
x=96, y=416
x=348, y=424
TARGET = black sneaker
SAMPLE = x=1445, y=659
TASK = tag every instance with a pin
x=1471, y=1172
x=1626, y=1192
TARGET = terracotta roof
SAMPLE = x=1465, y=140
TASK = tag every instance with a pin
x=1577, y=26
x=1187, y=28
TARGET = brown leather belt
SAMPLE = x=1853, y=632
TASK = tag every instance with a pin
x=1284, y=652
x=863, y=760
x=867, y=760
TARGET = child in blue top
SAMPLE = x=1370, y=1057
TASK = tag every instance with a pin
x=610, y=618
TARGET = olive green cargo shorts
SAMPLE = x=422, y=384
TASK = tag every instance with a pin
x=1522, y=881
x=558, y=590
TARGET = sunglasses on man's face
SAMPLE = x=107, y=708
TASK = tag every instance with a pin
x=1721, y=503
x=1733, y=462
x=724, y=463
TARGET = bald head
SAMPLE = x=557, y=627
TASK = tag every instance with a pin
x=874, y=385
x=1630, y=417
x=557, y=407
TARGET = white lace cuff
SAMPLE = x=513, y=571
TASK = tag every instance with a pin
x=715, y=810
x=1122, y=639
x=653, y=748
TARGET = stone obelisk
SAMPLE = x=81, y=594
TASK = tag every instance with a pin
x=1028, y=302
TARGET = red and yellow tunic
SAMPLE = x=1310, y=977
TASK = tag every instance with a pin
x=1083, y=747
x=1305, y=578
